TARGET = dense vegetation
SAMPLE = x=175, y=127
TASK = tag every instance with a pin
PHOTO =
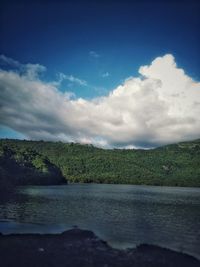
x=173, y=165
x=22, y=166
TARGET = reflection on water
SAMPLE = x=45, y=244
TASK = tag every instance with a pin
x=124, y=215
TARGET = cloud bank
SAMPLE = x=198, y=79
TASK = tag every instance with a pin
x=160, y=106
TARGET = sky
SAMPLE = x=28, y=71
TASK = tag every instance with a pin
x=112, y=73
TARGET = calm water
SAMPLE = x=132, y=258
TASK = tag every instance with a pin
x=124, y=215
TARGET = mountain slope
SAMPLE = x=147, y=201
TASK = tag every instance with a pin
x=22, y=166
x=173, y=165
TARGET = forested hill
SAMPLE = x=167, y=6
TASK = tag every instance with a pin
x=173, y=165
x=22, y=166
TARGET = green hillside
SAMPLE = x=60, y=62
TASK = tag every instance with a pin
x=22, y=166
x=172, y=165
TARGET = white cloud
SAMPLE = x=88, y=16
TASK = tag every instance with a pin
x=70, y=78
x=32, y=71
x=105, y=75
x=158, y=107
x=94, y=54
x=76, y=80
x=9, y=61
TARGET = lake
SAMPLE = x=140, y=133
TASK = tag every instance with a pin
x=123, y=215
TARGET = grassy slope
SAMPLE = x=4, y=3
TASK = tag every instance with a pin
x=177, y=164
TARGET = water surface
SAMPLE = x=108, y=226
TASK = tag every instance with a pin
x=123, y=215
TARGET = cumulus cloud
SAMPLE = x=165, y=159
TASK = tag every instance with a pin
x=159, y=106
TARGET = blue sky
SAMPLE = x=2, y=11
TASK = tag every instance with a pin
x=100, y=43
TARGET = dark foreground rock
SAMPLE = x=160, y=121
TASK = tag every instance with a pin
x=80, y=248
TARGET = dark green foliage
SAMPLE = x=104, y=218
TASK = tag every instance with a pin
x=6, y=186
x=22, y=166
x=172, y=165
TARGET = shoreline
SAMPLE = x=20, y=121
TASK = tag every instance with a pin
x=79, y=248
x=95, y=183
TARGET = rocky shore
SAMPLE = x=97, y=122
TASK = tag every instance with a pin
x=81, y=248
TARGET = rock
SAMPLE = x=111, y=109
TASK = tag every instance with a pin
x=81, y=248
